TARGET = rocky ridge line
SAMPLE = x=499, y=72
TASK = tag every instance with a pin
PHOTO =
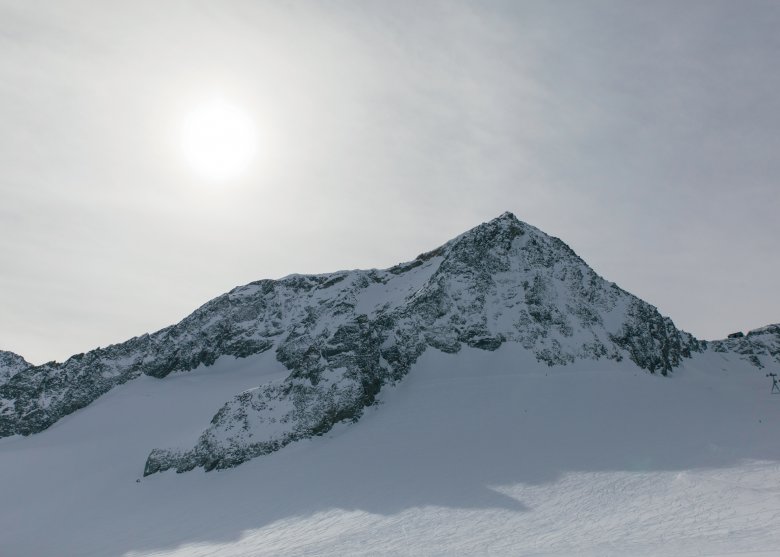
x=10, y=365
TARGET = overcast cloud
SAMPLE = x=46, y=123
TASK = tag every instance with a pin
x=645, y=135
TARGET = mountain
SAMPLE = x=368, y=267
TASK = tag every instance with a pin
x=508, y=401
x=10, y=365
x=342, y=337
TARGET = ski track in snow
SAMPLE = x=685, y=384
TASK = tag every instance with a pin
x=479, y=453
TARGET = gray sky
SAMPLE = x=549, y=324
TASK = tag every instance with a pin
x=645, y=135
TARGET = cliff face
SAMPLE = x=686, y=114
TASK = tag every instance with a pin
x=345, y=335
x=10, y=365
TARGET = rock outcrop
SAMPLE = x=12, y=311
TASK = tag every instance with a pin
x=10, y=365
x=759, y=347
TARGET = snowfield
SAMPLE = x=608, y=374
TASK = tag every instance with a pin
x=475, y=453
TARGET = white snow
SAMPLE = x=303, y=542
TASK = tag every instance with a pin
x=479, y=453
x=397, y=289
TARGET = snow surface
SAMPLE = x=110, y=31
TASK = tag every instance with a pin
x=479, y=453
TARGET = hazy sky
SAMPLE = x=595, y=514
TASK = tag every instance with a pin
x=643, y=134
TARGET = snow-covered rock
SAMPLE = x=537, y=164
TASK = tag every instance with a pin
x=344, y=336
x=10, y=365
x=760, y=346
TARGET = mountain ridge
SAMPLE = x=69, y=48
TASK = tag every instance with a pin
x=343, y=336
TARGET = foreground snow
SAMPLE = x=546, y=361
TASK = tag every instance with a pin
x=479, y=453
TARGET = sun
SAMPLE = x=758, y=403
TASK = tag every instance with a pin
x=218, y=140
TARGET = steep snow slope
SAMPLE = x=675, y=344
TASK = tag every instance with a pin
x=474, y=453
x=343, y=337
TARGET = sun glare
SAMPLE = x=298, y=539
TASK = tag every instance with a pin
x=218, y=141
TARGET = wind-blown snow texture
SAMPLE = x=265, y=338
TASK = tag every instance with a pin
x=346, y=335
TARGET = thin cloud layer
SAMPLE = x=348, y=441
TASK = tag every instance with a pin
x=642, y=135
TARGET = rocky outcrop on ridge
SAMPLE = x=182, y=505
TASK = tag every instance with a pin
x=760, y=347
x=10, y=365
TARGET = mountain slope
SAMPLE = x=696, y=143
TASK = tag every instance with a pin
x=533, y=418
x=501, y=282
x=345, y=335
x=474, y=453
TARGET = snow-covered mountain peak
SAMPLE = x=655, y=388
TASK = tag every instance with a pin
x=344, y=336
x=505, y=380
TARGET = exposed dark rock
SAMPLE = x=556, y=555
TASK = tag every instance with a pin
x=10, y=365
